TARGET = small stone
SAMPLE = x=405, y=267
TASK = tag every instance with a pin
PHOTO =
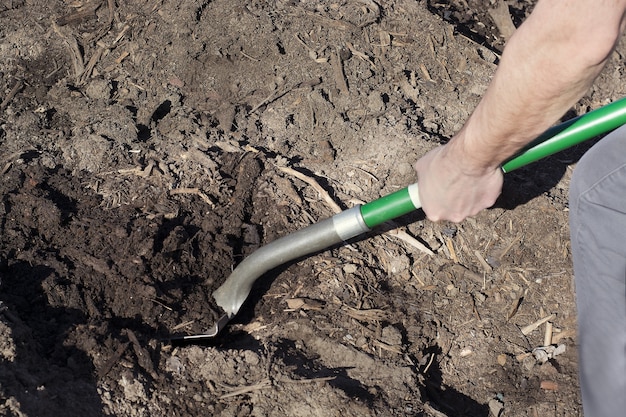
x=495, y=408
x=502, y=359
x=466, y=352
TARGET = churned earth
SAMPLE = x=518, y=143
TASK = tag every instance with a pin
x=147, y=147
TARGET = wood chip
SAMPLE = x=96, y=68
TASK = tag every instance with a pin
x=16, y=89
x=75, y=52
x=549, y=385
x=515, y=308
x=502, y=359
x=304, y=304
x=483, y=262
x=547, y=338
x=526, y=330
x=450, y=247
x=502, y=19
x=183, y=324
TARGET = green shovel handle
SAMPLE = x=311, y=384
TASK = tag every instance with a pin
x=553, y=140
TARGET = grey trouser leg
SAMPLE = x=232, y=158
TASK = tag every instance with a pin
x=598, y=235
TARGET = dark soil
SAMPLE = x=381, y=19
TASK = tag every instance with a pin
x=140, y=150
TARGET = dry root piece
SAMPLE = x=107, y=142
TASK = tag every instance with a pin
x=313, y=183
x=266, y=383
x=410, y=240
x=387, y=347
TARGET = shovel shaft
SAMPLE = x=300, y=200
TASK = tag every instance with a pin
x=553, y=140
x=570, y=133
x=391, y=206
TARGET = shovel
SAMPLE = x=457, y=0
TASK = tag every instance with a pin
x=363, y=218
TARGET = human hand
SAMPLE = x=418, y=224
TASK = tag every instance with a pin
x=452, y=188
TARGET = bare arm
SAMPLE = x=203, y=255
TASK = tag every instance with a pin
x=548, y=65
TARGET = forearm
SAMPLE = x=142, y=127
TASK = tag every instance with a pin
x=547, y=66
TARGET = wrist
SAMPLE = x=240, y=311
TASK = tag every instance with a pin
x=470, y=157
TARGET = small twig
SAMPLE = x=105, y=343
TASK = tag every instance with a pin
x=250, y=57
x=475, y=309
x=275, y=95
x=308, y=380
x=143, y=173
x=181, y=325
x=362, y=56
x=430, y=362
x=165, y=306
x=426, y=73
x=369, y=174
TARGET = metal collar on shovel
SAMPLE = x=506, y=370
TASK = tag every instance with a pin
x=361, y=219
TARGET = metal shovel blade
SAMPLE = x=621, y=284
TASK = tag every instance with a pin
x=217, y=327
